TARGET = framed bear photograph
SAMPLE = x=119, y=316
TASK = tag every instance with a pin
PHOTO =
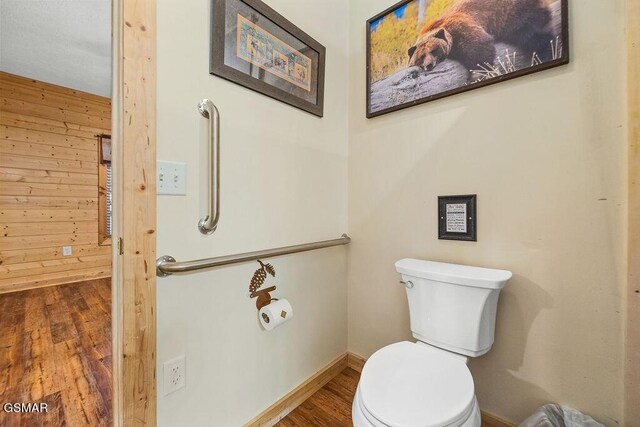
x=422, y=50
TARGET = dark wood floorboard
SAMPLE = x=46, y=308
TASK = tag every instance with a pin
x=55, y=348
x=328, y=407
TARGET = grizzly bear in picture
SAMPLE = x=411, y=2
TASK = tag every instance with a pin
x=468, y=32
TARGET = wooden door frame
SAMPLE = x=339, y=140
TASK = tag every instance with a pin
x=134, y=186
x=632, y=295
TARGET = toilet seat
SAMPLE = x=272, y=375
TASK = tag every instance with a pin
x=412, y=385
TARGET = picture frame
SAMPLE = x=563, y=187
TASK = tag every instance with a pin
x=254, y=46
x=457, y=218
x=406, y=67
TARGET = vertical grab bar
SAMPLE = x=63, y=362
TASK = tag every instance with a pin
x=207, y=225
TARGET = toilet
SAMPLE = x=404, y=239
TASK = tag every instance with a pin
x=452, y=310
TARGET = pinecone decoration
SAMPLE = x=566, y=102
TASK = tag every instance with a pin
x=269, y=268
x=260, y=276
x=257, y=280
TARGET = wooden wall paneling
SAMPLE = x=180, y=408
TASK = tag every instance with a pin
x=50, y=253
x=46, y=215
x=37, y=163
x=46, y=176
x=632, y=338
x=53, y=113
x=22, y=148
x=39, y=124
x=134, y=171
x=44, y=88
x=59, y=137
x=51, y=279
x=37, y=189
x=22, y=202
x=49, y=184
x=47, y=241
x=49, y=227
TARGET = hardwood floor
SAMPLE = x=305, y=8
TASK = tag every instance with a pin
x=330, y=406
x=55, y=348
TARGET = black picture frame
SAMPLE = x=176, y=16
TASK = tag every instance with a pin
x=561, y=60
x=295, y=83
x=455, y=223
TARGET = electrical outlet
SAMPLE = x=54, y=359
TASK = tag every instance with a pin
x=66, y=251
x=175, y=375
x=172, y=178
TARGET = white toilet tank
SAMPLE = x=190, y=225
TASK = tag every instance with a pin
x=451, y=306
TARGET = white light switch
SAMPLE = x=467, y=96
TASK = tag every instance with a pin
x=172, y=178
x=66, y=251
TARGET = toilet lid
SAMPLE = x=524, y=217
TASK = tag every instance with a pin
x=413, y=385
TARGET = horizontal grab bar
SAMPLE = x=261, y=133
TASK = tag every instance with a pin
x=167, y=265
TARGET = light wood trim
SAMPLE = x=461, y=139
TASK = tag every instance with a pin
x=632, y=341
x=490, y=420
x=355, y=362
x=294, y=398
x=134, y=170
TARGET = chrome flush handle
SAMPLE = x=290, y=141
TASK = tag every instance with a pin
x=408, y=284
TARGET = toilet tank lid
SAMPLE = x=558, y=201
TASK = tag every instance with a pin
x=454, y=273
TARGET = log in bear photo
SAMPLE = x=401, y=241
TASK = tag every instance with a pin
x=469, y=31
x=458, y=45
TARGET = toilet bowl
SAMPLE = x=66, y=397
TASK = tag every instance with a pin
x=452, y=310
x=414, y=385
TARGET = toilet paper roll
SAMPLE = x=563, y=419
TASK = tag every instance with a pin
x=275, y=314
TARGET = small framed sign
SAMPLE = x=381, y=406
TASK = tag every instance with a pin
x=457, y=218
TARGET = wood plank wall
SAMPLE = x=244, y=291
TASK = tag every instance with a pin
x=49, y=184
x=632, y=342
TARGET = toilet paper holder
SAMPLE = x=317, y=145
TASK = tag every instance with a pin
x=264, y=298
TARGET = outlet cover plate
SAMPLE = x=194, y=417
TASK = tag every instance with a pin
x=172, y=178
x=174, y=375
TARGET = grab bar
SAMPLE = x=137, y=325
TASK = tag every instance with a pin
x=209, y=223
x=167, y=265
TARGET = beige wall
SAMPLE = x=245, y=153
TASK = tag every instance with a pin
x=284, y=177
x=546, y=156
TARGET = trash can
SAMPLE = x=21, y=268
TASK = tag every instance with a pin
x=554, y=415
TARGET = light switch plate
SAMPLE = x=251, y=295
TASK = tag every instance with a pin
x=66, y=251
x=172, y=178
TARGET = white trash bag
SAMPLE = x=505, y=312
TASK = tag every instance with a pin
x=553, y=415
